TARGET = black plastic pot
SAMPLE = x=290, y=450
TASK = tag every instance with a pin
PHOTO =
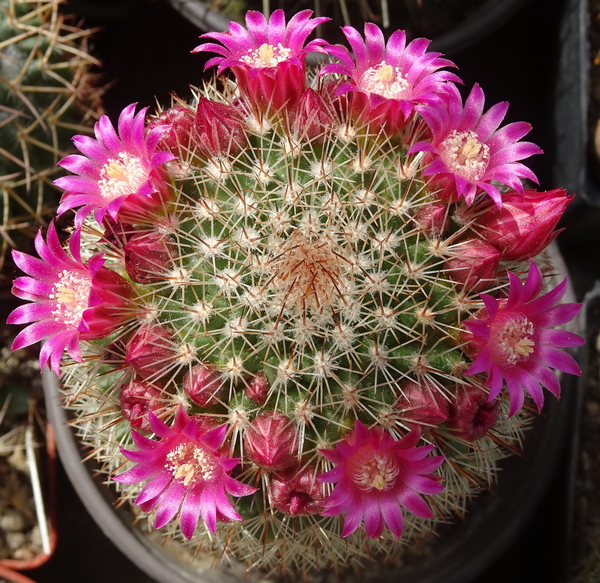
x=464, y=551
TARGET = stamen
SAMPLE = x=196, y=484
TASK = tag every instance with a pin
x=385, y=80
x=375, y=470
x=513, y=338
x=122, y=176
x=465, y=155
x=266, y=56
x=71, y=294
x=190, y=464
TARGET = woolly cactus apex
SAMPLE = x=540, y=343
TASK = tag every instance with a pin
x=47, y=92
x=323, y=342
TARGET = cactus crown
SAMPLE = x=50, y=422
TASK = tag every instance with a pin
x=282, y=304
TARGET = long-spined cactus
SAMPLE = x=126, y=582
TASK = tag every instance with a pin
x=301, y=314
x=46, y=93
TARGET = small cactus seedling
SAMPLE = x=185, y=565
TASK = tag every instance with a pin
x=46, y=93
x=298, y=318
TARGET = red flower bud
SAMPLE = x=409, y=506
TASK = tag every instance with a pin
x=150, y=351
x=137, y=399
x=179, y=122
x=219, y=128
x=472, y=414
x=423, y=404
x=433, y=218
x=474, y=264
x=203, y=385
x=311, y=118
x=271, y=441
x=148, y=256
x=524, y=225
x=257, y=388
x=298, y=492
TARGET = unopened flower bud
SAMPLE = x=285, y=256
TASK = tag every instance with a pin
x=433, y=218
x=271, y=441
x=219, y=128
x=178, y=123
x=137, y=398
x=524, y=225
x=150, y=351
x=472, y=414
x=475, y=264
x=257, y=388
x=422, y=403
x=148, y=256
x=311, y=117
x=203, y=385
x=298, y=492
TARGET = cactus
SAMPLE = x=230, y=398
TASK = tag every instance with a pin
x=47, y=92
x=298, y=318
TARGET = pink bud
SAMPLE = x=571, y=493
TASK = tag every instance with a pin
x=148, y=256
x=422, y=403
x=179, y=123
x=472, y=414
x=433, y=218
x=203, y=385
x=271, y=441
x=151, y=351
x=311, y=118
x=257, y=388
x=271, y=89
x=524, y=225
x=219, y=128
x=475, y=264
x=298, y=492
x=137, y=398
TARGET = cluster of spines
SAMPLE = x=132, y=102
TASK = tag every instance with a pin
x=219, y=297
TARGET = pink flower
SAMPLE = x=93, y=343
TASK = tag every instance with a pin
x=388, y=82
x=376, y=476
x=468, y=152
x=72, y=300
x=267, y=59
x=525, y=224
x=116, y=171
x=186, y=473
x=513, y=340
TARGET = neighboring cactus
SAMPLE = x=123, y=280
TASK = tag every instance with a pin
x=46, y=93
x=279, y=285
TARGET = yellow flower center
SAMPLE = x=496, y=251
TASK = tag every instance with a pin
x=266, y=56
x=121, y=176
x=465, y=155
x=71, y=294
x=513, y=340
x=375, y=470
x=385, y=80
x=191, y=464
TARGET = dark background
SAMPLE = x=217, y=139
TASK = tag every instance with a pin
x=145, y=47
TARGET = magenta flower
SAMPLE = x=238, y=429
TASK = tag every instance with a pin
x=267, y=59
x=115, y=171
x=71, y=300
x=514, y=340
x=376, y=475
x=186, y=473
x=388, y=82
x=468, y=153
